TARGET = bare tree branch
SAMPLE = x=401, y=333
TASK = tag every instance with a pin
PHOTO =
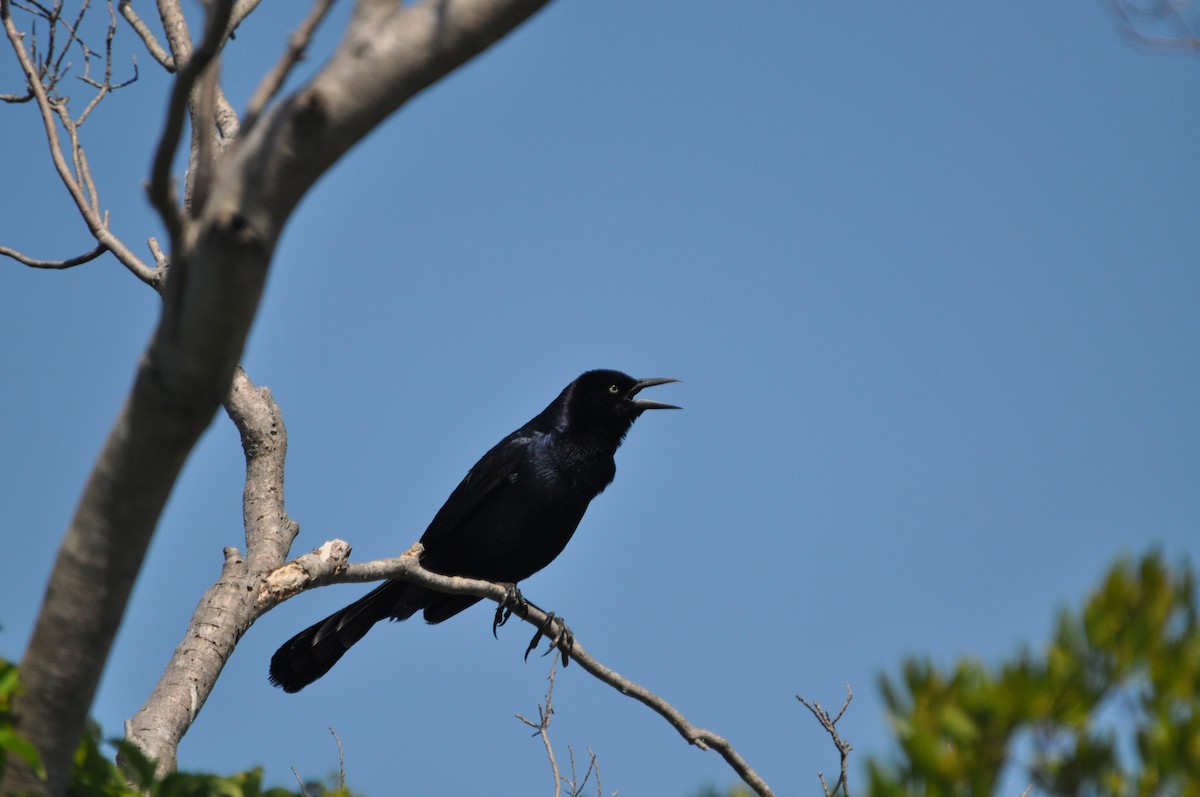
x=577, y=784
x=146, y=35
x=50, y=62
x=229, y=607
x=16, y=99
x=542, y=728
x=175, y=28
x=259, y=421
x=341, y=760
x=83, y=170
x=843, y=746
x=328, y=566
x=300, y=783
x=54, y=264
x=297, y=45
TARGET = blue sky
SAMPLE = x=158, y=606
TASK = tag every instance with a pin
x=929, y=276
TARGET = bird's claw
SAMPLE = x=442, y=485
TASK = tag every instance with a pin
x=513, y=599
x=555, y=630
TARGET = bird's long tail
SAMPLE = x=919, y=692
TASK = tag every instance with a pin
x=310, y=654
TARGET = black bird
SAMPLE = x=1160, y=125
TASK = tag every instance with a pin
x=511, y=515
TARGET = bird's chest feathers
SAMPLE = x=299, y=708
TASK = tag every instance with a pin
x=569, y=467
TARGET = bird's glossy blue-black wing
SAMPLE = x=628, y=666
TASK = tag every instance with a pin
x=489, y=473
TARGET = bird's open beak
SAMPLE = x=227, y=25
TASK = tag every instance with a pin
x=646, y=404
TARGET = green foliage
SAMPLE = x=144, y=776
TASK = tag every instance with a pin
x=10, y=742
x=1110, y=709
x=95, y=774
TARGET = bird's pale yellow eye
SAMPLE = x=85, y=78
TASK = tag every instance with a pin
x=614, y=389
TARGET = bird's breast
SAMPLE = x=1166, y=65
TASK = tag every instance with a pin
x=578, y=470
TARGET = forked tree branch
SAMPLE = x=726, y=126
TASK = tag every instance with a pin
x=541, y=728
x=843, y=746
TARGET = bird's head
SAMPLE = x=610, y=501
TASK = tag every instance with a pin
x=608, y=400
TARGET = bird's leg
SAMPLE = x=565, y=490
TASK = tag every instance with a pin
x=555, y=630
x=513, y=599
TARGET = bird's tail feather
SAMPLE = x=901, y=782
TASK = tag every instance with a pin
x=310, y=654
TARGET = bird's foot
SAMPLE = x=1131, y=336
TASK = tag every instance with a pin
x=554, y=629
x=513, y=599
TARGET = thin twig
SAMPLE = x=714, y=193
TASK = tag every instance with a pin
x=574, y=773
x=341, y=760
x=300, y=780
x=107, y=86
x=271, y=82
x=83, y=172
x=596, y=764
x=55, y=18
x=843, y=746
x=54, y=264
x=542, y=728
x=577, y=786
x=86, y=77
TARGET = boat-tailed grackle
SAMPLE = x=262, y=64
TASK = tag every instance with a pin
x=510, y=516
